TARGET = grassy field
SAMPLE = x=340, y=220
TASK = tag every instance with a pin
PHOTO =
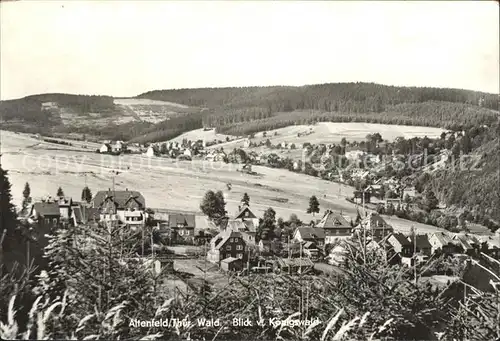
x=200, y=134
x=329, y=132
x=166, y=183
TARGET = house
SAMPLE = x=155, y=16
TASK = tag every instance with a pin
x=226, y=244
x=245, y=214
x=216, y=156
x=423, y=246
x=231, y=264
x=246, y=143
x=268, y=246
x=118, y=147
x=292, y=265
x=183, y=225
x=311, y=250
x=118, y=206
x=375, y=226
x=442, y=242
x=401, y=244
x=338, y=254
x=65, y=207
x=237, y=225
x=248, y=237
x=81, y=214
x=151, y=151
x=310, y=234
x=105, y=148
x=468, y=243
x=395, y=202
x=45, y=214
x=358, y=197
x=335, y=227
x=188, y=152
x=375, y=190
x=385, y=250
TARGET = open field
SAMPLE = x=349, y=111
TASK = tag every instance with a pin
x=150, y=110
x=330, y=132
x=166, y=183
x=200, y=134
x=144, y=101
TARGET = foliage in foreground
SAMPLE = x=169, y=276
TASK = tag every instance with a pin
x=97, y=285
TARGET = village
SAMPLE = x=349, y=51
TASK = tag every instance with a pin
x=241, y=243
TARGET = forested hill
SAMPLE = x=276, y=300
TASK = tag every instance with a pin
x=326, y=97
x=249, y=109
x=241, y=111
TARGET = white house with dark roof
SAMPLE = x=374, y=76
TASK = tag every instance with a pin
x=310, y=234
x=126, y=207
x=335, y=227
x=441, y=241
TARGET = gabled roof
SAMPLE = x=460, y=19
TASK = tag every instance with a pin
x=47, y=209
x=295, y=262
x=333, y=220
x=401, y=239
x=84, y=214
x=241, y=213
x=223, y=237
x=119, y=197
x=375, y=222
x=311, y=232
x=422, y=241
x=186, y=220
x=443, y=238
x=235, y=225
x=230, y=260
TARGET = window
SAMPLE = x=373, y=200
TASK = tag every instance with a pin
x=240, y=255
x=54, y=220
x=239, y=247
x=228, y=248
x=47, y=221
x=247, y=214
x=181, y=232
x=231, y=240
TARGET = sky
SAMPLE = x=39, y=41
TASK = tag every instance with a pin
x=127, y=48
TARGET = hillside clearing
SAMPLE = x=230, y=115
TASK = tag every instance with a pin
x=331, y=132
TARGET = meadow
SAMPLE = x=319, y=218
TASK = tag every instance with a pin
x=167, y=183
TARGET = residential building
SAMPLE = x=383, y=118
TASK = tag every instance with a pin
x=151, y=151
x=401, y=244
x=183, y=225
x=45, y=214
x=335, y=227
x=231, y=264
x=105, y=148
x=310, y=234
x=292, y=265
x=227, y=244
x=245, y=214
x=246, y=143
x=65, y=207
x=311, y=250
x=469, y=244
x=423, y=246
x=376, y=227
x=442, y=242
x=126, y=207
x=395, y=202
x=82, y=214
x=358, y=197
x=248, y=237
